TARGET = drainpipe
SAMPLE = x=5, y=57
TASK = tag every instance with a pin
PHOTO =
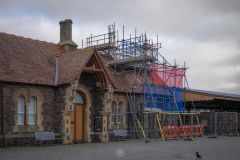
x=56, y=76
x=2, y=128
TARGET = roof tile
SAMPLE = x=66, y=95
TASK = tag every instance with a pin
x=122, y=82
x=72, y=63
x=26, y=60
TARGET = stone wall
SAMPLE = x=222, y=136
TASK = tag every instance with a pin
x=97, y=106
x=0, y=112
x=130, y=119
x=50, y=101
x=60, y=94
x=118, y=97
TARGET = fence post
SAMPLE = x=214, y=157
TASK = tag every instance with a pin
x=192, y=125
x=215, y=124
x=236, y=123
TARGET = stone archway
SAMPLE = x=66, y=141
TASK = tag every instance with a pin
x=87, y=104
x=69, y=109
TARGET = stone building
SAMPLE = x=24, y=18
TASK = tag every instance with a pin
x=60, y=88
x=73, y=92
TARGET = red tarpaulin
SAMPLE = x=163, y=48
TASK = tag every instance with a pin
x=165, y=75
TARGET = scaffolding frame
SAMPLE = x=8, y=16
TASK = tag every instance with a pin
x=139, y=56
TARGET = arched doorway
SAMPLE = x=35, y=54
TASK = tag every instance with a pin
x=77, y=119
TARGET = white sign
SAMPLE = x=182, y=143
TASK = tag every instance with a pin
x=119, y=152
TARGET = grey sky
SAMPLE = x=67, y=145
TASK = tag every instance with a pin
x=204, y=34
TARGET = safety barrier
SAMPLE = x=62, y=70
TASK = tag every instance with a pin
x=183, y=131
x=201, y=129
x=170, y=131
x=198, y=130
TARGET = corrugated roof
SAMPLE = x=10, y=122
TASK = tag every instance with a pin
x=215, y=93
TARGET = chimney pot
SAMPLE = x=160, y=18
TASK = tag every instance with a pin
x=66, y=35
x=68, y=21
x=68, y=29
x=62, y=30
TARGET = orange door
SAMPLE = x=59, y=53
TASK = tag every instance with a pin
x=77, y=123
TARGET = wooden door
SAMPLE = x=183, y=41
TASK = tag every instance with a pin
x=77, y=123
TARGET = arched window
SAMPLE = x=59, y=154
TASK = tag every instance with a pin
x=28, y=110
x=113, y=113
x=119, y=113
x=21, y=110
x=78, y=98
x=32, y=111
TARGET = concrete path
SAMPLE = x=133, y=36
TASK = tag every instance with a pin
x=221, y=148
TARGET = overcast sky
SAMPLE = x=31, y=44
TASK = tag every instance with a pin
x=203, y=33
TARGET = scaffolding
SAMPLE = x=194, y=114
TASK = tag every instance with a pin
x=156, y=81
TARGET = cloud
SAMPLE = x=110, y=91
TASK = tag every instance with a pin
x=204, y=34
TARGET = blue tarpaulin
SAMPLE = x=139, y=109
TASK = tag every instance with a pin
x=162, y=97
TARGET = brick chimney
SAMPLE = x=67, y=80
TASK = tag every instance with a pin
x=66, y=36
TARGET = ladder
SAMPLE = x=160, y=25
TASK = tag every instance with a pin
x=137, y=126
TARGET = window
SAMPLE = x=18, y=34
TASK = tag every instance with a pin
x=113, y=112
x=116, y=114
x=28, y=110
x=21, y=110
x=30, y=116
x=78, y=98
x=119, y=113
x=32, y=111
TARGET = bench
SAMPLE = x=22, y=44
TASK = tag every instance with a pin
x=45, y=136
x=121, y=133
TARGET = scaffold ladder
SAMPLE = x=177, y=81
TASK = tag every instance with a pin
x=137, y=127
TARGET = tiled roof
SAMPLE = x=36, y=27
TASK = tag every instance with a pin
x=106, y=57
x=71, y=64
x=117, y=79
x=26, y=60
x=121, y=82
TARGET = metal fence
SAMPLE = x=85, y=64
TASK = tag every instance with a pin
x=219, y=123
x=215, y=123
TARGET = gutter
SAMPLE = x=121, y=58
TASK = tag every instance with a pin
x=56, y=76
x=2, y=124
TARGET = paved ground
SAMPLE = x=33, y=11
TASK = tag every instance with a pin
x=221, y=148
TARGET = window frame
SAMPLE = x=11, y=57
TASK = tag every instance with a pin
x=34, y=113
x=113, y=112
x=23, y=111
x=26, y=114
x=78, y=97
x=26, y=94
x=119, y=112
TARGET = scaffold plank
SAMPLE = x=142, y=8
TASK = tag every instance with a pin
x=103, y=47
x=131, y=60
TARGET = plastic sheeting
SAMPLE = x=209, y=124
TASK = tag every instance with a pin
x=166, y=75
x=163, y=98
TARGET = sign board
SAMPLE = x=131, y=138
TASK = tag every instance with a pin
x=98, y=123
